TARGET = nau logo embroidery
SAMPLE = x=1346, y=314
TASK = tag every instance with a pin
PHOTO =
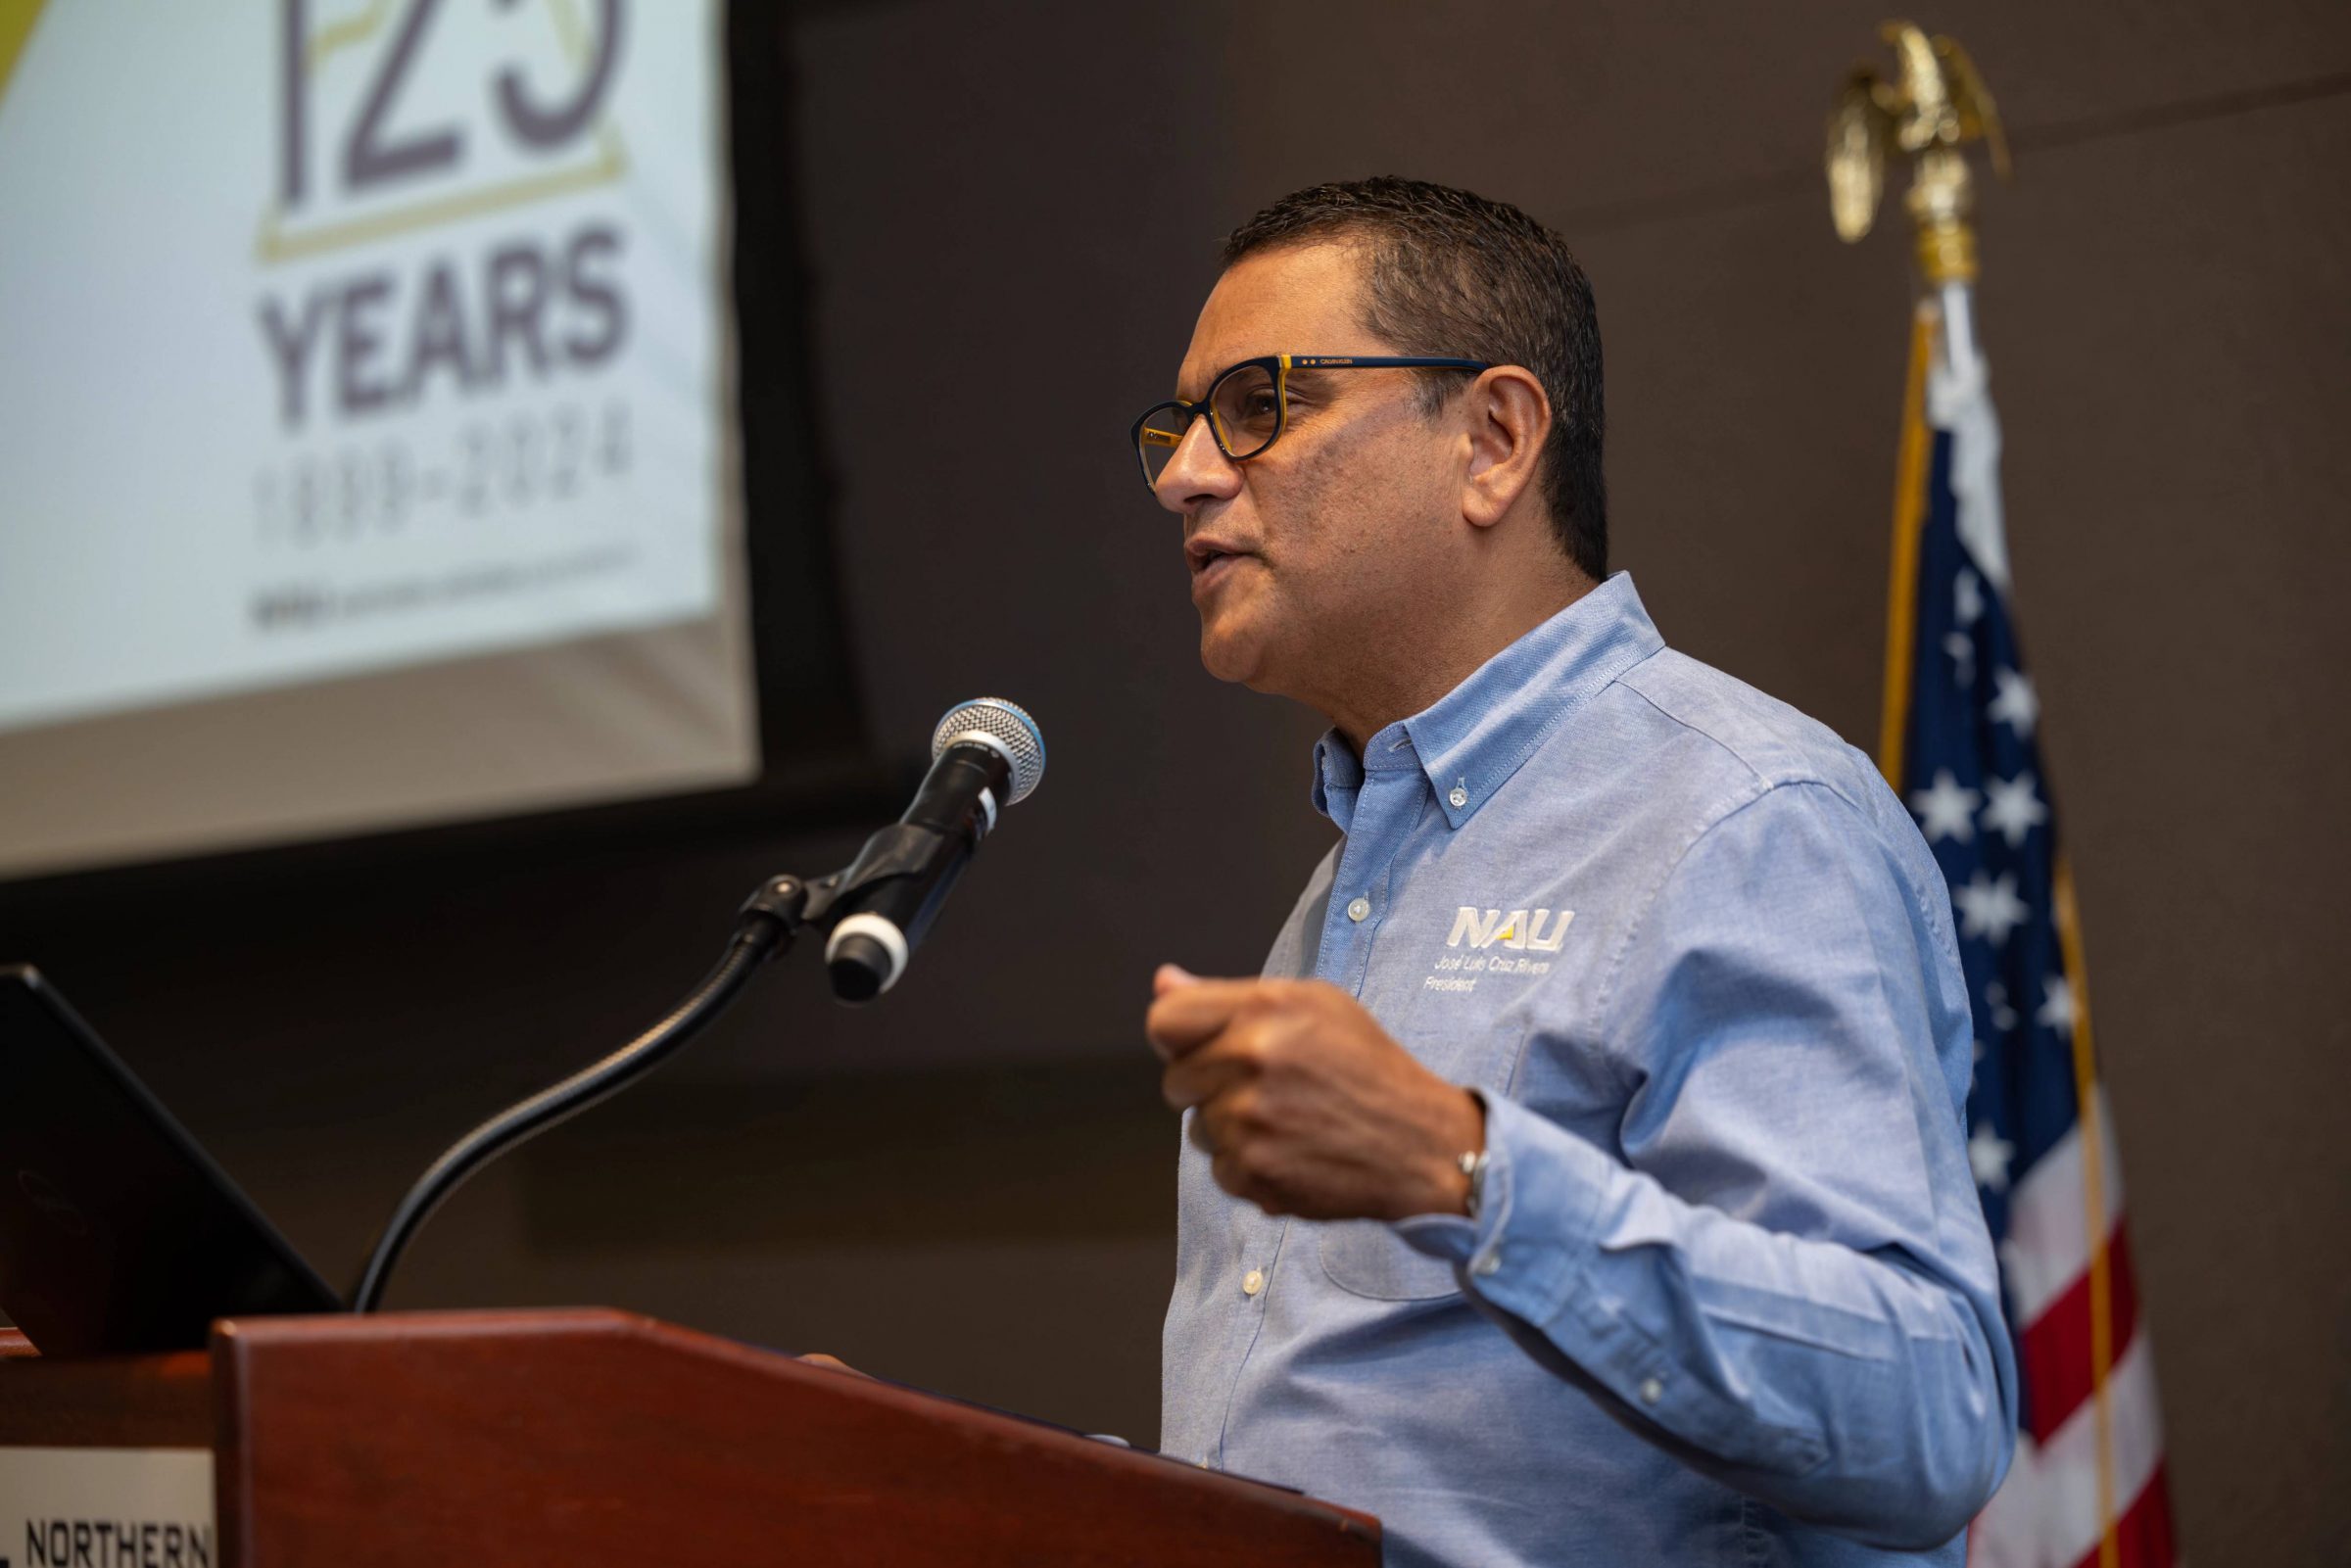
x=1514, y=929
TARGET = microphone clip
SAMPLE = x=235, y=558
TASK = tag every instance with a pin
x=790, y=903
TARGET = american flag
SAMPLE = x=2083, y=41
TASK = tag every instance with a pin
x=1960, y=746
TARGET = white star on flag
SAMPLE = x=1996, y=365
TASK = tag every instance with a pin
x=1969, y=602
x=1962, y=649
x=1987, y=1152
x=2003, y=1016
x=2058, y=1011
x=2014, y=704
x=2013, y=809
x=1988, y=909
x=1944, y=809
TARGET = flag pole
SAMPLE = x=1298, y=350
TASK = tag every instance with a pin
x=1928, y=113
x=1909, y=510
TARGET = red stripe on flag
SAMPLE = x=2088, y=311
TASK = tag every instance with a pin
x=2053, y=1352
x=2142, y=1536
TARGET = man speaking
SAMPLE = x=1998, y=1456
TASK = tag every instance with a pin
x=1584, y=1181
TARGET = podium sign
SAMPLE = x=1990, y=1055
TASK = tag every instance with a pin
x=107, y=1509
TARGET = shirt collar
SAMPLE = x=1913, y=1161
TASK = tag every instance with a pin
x=1338, y=777
x=1470, y=741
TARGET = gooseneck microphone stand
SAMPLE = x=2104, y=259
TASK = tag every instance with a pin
x=984, y=754
x=769, y=921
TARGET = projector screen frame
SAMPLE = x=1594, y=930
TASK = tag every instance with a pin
x=815, y=761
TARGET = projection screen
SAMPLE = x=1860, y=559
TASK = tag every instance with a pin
x=367, y=447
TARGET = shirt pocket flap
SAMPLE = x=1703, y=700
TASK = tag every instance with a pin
x=1366, y=1257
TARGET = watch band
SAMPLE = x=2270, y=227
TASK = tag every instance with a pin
x=1473, y=1165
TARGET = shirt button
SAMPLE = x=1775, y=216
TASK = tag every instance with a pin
x=1460, y=797
x=1252, y=1282
x=1491, y=1263
x=1360, y=909
x=1652, y=1389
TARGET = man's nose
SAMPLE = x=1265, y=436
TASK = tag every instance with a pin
x=1197, y=471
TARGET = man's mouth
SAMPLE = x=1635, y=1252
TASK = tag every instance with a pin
x=1202, y=554
x=1211, y=565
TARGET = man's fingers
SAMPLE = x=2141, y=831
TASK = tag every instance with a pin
x=1186, y=1016
x=1234, y=1174
x=1167, y=976
x=1201, y=1075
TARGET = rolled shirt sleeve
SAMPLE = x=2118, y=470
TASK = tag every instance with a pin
x=1782, y=1272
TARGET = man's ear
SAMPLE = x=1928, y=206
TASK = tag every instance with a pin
x=1508, y=419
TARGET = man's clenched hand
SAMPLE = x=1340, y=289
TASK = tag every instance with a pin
x=1306, y=1103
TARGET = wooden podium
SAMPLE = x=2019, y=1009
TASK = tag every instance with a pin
x=593, y=1437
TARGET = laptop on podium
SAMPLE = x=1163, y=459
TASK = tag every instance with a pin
x=117, y=1233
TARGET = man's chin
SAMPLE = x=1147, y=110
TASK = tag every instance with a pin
x=1232, y=655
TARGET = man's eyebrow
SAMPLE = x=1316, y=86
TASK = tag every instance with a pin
x=1208, y=378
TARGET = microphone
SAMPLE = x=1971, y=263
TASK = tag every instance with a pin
x=985, y=756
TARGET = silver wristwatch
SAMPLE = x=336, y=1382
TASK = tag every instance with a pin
x=1473, y=1165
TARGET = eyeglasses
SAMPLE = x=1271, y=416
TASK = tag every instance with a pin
x=1248, y=405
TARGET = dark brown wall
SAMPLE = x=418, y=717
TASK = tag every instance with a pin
x=2165, y=309
x=1010, y=216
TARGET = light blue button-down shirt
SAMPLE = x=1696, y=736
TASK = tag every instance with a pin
x=1729, y=1298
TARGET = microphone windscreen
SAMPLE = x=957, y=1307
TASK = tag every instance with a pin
x=1005, y=726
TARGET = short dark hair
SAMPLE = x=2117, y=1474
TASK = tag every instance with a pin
x=1452, y=273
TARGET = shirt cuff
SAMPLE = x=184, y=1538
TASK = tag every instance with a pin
x=1533, y=1234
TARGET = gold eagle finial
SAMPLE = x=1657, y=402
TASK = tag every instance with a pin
x=1934, y=107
